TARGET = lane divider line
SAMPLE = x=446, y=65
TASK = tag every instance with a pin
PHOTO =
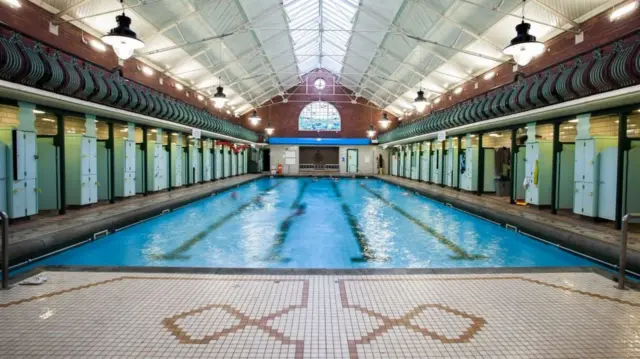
x=460, y=254
x=178, y=253
x=366, y=253
x=283, y=230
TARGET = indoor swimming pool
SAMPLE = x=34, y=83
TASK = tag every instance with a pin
x=323, y=223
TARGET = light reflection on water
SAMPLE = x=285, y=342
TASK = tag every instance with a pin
x=319, y=238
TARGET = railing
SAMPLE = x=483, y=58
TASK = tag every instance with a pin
x=633, y=217
x=319, y=167
x=5, y=250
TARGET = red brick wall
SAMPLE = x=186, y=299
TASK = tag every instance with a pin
x=33, y=21
x=356, y=118
x=598, y=31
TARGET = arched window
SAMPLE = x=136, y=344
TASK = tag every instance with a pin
x=319, y=116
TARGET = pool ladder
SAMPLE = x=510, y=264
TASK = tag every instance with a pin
x=629, y=217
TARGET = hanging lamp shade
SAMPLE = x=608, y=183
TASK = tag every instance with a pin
x=269, y=130
x=420, y=102
x=219, y=99
x=524, y=47
x=122, y=39
x=254, y=118
x=384, y=122
x=371, y=132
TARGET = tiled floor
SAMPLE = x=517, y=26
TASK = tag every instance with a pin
x=602, y=231
x=541, y=315
x=42, y=225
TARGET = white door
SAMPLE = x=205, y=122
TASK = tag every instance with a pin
x=31, y=197
x=424, y=166
x=578, y=195
x=130, y=156
x=85, y=155
x=394, y=165
x=590, y=161
x=578, y=174
x=93, y=188
x=607, y=187
x=435, y=167
x=31, y=152
x=352, y=161
x=19, y=151
x=19, y=200
x=85, y=190
x=588, y=199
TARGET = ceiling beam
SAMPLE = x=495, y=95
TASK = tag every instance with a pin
x=528, y=19
x=557, y=13
x=462, y=27
x=69, y=9
x=59, y=21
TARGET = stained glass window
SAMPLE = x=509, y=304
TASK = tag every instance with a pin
x=319, y=116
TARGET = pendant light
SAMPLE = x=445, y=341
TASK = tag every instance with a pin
x=269, y=129
x=219, y=99
x=123, y=40
x=371, y=132
x=420, y=102
x=384, y=122
x=524, y=46
x=254, y=118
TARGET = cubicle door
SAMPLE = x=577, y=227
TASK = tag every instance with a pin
x=520, y=172
x=49, y=179
x=565, y=173
x=394, y=164
x=607, y=183
x=139, y=168
x=104, y=169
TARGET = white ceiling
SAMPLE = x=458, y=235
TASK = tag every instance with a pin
x=371, y=45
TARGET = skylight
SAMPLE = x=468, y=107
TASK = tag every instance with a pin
x=320, y=30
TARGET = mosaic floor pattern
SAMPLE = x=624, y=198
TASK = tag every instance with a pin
x=144, y=315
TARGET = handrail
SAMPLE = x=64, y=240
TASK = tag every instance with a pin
x=5, y=250
x=623, y=246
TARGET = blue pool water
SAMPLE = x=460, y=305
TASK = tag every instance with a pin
x=301, y=223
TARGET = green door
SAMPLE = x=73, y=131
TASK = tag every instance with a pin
x=352, y=161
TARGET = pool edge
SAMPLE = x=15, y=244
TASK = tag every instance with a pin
x=572, y=242
x=319, y=271
x=30, y=250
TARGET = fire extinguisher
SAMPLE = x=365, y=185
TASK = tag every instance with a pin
x=279, y=168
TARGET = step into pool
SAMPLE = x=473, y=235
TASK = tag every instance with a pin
x=323, y=223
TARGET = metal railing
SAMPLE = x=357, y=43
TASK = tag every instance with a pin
x=5, y=250
x=319, y=167
x=629, y=217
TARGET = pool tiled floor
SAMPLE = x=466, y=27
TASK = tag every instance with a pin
x=153, y=315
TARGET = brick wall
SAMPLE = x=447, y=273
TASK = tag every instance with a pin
x=33, y=21
x=356, y=118
x=598, y=31
x=8, y=117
